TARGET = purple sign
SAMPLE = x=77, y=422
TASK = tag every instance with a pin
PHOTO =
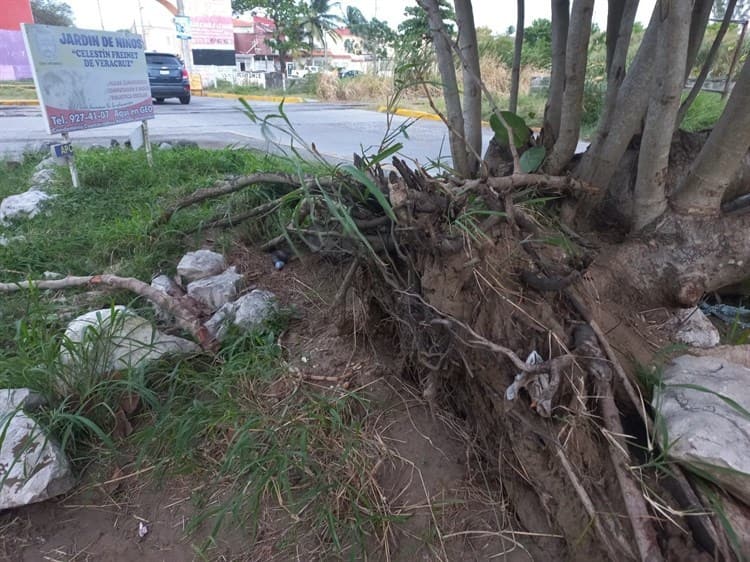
x=14, y=63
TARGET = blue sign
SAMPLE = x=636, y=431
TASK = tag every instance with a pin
x=62, y=150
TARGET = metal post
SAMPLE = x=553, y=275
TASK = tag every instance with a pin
x=147, y=144
x=72, y=164
x=185, y=45
x=734, y=59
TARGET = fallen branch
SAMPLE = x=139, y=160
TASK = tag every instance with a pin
x=186, y=310
x=225, y=188
x=259, y=211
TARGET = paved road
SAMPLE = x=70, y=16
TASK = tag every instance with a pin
x=336, y=130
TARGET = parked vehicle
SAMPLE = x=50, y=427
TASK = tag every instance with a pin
x=168, y=77
x=302, y=72
x=350, y=73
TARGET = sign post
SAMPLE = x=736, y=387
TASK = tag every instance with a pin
x=66, y=151
x=88, y=78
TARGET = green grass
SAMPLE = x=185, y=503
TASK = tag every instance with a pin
x=17, y=90
x=306, y=86
x=704, y=112
x=264, y=448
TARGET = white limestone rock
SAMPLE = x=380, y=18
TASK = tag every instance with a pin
x=26, y=204
x=34, y=466
x=693, y=328
x=217, y=290
x=703, y=429
x=199, y=264
x=248, y=312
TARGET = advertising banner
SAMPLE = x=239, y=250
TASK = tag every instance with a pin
x=212, y=32
x=87, y=78
x=211, y=24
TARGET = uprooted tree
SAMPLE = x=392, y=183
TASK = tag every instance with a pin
x=536, y=248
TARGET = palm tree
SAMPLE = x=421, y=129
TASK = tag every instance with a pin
x=320, y=23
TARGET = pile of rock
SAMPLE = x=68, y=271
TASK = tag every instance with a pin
x=29, y=203
x=109, y=340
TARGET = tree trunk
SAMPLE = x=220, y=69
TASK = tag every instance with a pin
x=615, y=12
x=617, y=61
x=713, y=51
x=575, y=75
x=616, y=130
x=702, y=189
x=515, y=74
x=444, y=53
x=552, y=109
x=472, y=106
x=698, y=22
x=650, y=199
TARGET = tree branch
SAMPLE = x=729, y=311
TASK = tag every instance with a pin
x=712, y=52
x=650, y=199
x=560, y=23
x=575, y=75
x=702, y=189
x=515, y=72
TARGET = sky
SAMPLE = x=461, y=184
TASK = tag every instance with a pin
x=498, y=15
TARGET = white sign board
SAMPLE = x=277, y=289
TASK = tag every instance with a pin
x=87, y=78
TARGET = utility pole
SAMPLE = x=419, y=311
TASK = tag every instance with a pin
x=185, y=42
x=143, y=28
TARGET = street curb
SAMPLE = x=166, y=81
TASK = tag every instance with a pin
x=410, y=113
x=19, y=102
x=277, y=99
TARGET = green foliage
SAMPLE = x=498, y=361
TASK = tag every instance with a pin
x=52, y=12
x=376, y=35
x=741, y=9
x=520, y=130
x=532, y=159
x=499, y=47
x=537, y=44
x=290, y=18
x=414, y=42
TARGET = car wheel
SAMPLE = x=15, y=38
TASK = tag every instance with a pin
x=159, y=100
x=184, y=100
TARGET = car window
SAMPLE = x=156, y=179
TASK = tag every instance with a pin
x=162, y=60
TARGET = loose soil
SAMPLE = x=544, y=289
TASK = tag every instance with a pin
x=434, y=478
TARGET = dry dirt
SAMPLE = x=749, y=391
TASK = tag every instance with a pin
x=433, y=478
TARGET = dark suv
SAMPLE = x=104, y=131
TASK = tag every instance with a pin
x=168, y=77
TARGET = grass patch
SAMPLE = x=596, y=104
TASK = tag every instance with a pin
x=704, y=112
x=267, y=448
x=17, y=90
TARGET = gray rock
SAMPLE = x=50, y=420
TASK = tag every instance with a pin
x=34, y=466
x=254, y=308
x=199, y=264
x=165, y=146
x=703, y=430
x=248, y=312
x=49, y=163
x=43, y=178
x=693, y=328
x=166, y=285
x=217, y=290
x=116, y=339
x=26, y=204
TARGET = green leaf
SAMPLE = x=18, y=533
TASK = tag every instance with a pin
x=520, y=130
x=532, y=159
x=373, y=189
